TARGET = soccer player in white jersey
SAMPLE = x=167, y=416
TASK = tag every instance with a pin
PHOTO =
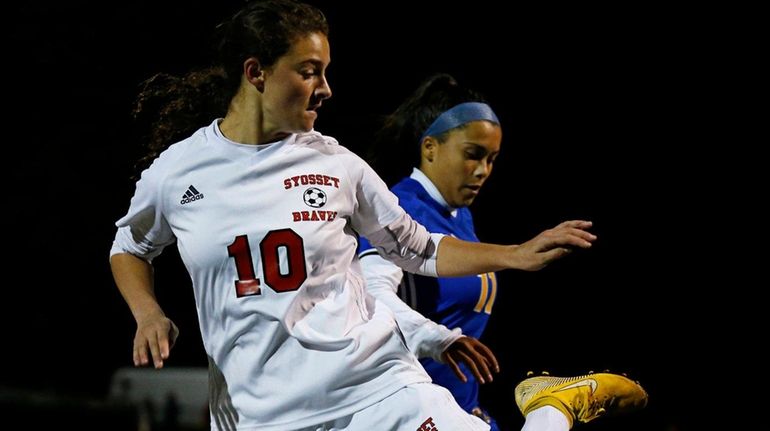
x=265, y=213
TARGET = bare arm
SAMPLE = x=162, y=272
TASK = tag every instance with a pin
x=154, y=331
x=457, y=257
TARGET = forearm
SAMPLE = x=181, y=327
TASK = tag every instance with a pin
x=424, y=337
x=458, y=258
x=134, y=278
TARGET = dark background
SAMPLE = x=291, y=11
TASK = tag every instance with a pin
x=598, y=108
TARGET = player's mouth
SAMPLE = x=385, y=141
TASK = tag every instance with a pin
x=311, y=110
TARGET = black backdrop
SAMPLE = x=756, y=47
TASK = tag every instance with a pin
x=591, y=102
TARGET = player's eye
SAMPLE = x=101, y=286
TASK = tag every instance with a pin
x=474, y=155
x=309, y=73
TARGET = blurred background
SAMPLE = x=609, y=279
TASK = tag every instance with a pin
x=597, y=111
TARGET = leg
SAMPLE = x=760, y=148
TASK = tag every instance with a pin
x=582, y=398
x=546, y=418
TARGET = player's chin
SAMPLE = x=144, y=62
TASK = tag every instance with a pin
x=460, y=202
x=466, y=198
x=308, y=120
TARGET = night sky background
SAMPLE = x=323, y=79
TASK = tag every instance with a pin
x=596, y=106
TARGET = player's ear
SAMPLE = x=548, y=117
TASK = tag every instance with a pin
x=428, y=148
x=254, y=73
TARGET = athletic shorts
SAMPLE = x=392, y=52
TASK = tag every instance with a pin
x=416, y=407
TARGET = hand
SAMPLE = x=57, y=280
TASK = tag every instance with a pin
x=476, y=356
x=554, y=244
x=156, y=333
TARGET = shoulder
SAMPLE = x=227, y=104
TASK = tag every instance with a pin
x=179, y=149
x=413, y=198
x=409, y=190
x=327, y=146
x=319, y=142
x=173, y=158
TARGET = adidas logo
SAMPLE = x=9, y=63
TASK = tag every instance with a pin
x=192, y=194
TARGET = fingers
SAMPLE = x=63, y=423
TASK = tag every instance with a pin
x=580, y=233
x=488, y=356
x=576, y=238
x=166, y=341
x=478, y=357
x=580, y=224
x=154, y=342
x=449, y=358
x=573, y=232
x=140, y=354
x=477, y=365
x=156, y=348
x=570, y=236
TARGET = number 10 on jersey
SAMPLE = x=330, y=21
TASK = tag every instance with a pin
x=279, y=241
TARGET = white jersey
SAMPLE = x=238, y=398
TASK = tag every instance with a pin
x=268, y=235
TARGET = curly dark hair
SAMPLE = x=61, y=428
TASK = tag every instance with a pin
x=170, y=108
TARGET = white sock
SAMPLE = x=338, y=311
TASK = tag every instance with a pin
x=546, y=418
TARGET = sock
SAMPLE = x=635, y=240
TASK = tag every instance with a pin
x=545, y=418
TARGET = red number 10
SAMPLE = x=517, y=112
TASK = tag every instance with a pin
x=248, y=284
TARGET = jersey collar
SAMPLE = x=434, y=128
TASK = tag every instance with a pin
x=433, y=192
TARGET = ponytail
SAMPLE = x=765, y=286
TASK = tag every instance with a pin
x=396, y=148
x=170, y=108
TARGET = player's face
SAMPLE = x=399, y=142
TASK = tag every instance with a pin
x=296, y=85
x=462, y=164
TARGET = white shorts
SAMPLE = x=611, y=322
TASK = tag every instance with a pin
x=417, y=407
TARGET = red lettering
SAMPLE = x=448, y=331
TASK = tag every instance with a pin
x=428, y=425
x=313, y=215
x=312, y=179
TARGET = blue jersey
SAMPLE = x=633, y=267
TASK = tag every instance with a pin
x=464, y=302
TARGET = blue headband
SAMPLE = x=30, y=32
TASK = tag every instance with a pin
x=459, y=115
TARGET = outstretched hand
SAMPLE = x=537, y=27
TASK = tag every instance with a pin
x=554, y=243
x=476, y=356
x=155, y=336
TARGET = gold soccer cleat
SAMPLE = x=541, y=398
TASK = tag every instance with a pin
x=582, y=398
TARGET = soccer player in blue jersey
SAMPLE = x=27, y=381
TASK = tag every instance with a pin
x=453, y=166
x=454, y=138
